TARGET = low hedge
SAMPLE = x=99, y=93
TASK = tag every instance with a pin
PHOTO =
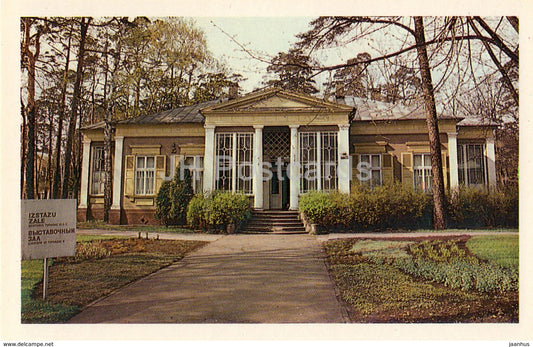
x=384, y=207
x=218, y=210
x=473, y=208
x=399, y=207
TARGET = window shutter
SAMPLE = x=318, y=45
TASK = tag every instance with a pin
x=160, y=171
x=387, y=169
x=407, y=170
x=129, y=176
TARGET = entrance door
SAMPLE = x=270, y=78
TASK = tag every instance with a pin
x=279, y=188
x=276, y=151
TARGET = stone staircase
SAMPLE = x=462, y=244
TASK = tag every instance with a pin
x=276, y=222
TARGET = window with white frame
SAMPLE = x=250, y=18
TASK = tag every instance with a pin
x=195, y=165
x=318, y=161
x=145, y=175
x=97, y=171
x=234, y=159
x=330, y=160
x=244, y=162
x=422, y=172
x=471, y=164
x=370, y=170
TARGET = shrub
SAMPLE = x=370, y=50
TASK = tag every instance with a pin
x=173, y=198
x=470, y=207
x=218, y=210
x=90, y=250
x=196, y=212
x=384, y=207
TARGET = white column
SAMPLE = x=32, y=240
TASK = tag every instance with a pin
x=491, y=162
x=209, y=158
x=85, y=168
x=117, y=173
x=258, y=167
x=452, y=154
x=344, y=171
x=294, y=169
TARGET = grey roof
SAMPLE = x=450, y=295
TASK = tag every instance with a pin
x=367, y=109
x=185, y=114
x=473, y=121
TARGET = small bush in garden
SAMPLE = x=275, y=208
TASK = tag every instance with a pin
x=445, y=262
x=218, y=210
x=196, y=213
x=90, y=250
x=173, y=198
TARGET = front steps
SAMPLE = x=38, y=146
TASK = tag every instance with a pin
x=274, y=221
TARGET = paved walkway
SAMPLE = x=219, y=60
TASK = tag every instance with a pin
x=234, y=279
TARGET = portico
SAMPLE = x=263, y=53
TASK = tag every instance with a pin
x=298, y=144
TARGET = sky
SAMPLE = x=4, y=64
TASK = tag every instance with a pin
x=264, y=36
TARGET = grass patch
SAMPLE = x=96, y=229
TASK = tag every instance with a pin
x=501, y=249
x=375, y=290
x=87, y=238
x=142, y=228
x=36, y=310
x=76, y=281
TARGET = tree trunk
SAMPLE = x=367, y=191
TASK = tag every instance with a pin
x=23, y=149
x=29, y=59
x=56, y=187
x=84, y=25
x=107, y=163
x=30, y=157
x=439, y=218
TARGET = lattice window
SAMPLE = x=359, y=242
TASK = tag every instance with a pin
x=318, y=160
x=244, y=162
x=224, y=152
x=234, y=162
x=98, y=172
x=276, y=144
x=308, y=162
x=471, y=164
x=329, y=160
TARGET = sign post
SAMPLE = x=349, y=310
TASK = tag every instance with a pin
x=48, y=231
x=45, y=278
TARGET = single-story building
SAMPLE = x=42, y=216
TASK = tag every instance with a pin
x=274, y=145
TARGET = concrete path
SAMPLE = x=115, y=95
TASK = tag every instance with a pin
x=234, y=279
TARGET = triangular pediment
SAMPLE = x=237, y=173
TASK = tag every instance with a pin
x=276, y=99
x=276, y=102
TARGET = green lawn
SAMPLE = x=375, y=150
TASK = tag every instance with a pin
x=35, y=309
x=75, y=282
x=142, y=228
x=420, y=280
x=501, y=249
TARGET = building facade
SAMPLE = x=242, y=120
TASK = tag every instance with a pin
x=274, y=146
